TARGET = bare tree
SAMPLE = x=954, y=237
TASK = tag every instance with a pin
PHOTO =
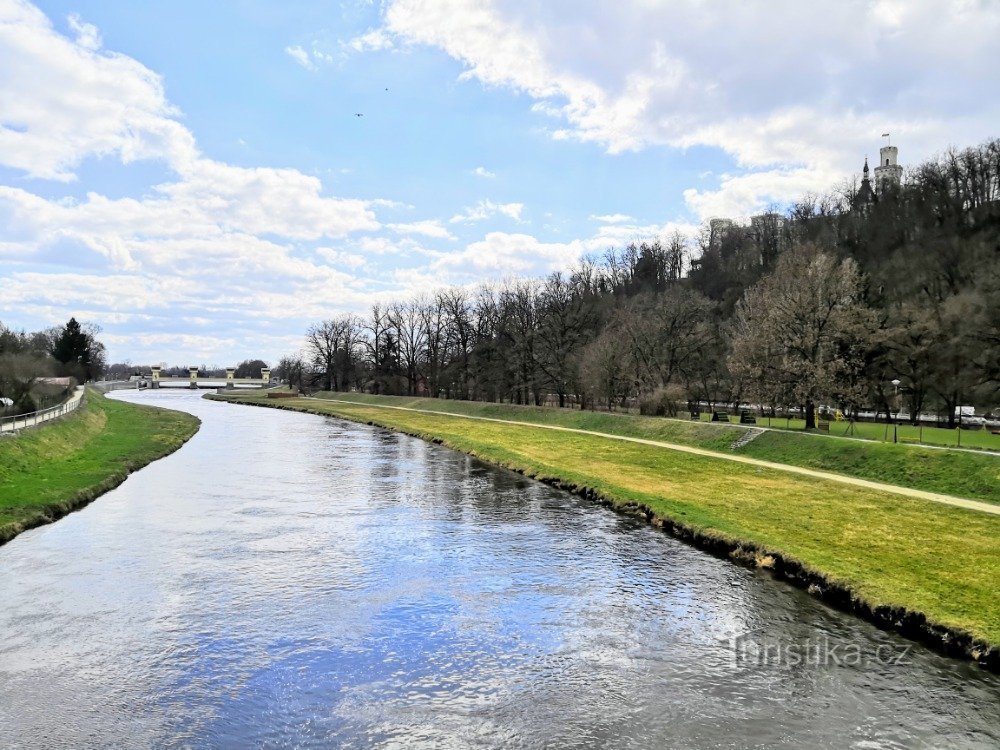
x=406, y=321
x=564, y=319
x=803, y=329
x=333, y=350
x=461, y=335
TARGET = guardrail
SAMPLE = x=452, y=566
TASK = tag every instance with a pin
x=20, y=421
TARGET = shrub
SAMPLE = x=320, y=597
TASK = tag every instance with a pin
x=663, y=402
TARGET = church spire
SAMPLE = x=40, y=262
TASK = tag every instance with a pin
x=865, y=196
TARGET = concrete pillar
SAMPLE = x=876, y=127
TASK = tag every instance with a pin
x=265, y=376
x=230, y=376
x=193, y=372
x=155, y=377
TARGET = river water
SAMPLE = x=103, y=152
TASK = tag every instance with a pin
x=290, y=580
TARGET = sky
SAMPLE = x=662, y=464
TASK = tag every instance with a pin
x=195, y=179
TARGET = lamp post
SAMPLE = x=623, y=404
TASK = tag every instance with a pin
x=895, y=421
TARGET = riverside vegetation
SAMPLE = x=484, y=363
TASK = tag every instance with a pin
x=923, y=568
x=970, y=475
x=864, y=301
x=54, y=469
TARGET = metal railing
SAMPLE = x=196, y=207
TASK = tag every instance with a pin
x=21, y=421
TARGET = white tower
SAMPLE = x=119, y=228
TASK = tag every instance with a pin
x=888, y=172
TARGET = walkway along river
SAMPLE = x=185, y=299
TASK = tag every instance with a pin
x=289, y=579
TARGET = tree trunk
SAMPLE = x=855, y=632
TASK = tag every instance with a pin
x=810, y=415
x=952, y=405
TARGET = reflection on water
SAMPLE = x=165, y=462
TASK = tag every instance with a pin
x=286, y=579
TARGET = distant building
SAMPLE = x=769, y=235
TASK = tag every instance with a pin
x=888, y=176
x=865, y=195
x=888, y=173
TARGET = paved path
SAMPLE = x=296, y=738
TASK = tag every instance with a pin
x=35, y=418
x=958, y=502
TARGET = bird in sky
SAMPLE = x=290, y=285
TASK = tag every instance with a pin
x=359, y=114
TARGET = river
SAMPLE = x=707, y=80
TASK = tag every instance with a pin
x=291, y=580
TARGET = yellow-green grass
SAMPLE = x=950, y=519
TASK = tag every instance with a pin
x=893, y=554
x=958, y=473
x=55, y=468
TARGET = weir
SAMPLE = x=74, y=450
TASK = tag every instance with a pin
x=194, y=381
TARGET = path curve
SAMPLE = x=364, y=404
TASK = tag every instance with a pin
x=934, y=497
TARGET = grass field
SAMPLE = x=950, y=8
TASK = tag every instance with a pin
x=48, y=471
x=979, y=439
x=890, y=552
x=970, y=475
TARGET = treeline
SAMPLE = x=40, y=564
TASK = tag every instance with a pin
x=30, y=361
x=248, y=368
x=826, y=304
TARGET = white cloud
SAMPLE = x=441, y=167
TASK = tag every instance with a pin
x=214, y=240
x=372, y=40
x=695, y=74
x=374, y=245
x=611, y=218
x=487, y=209
x=284, y=202
x=428, y=228
x=87, y=35
x=501, y=253
x=311, y=58
x=341, y=257
x=300, y=56
x=618, y=235
x=65, y=100
x=483, y=172
x=747, y=194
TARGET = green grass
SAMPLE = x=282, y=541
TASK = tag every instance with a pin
x=888, y=550
x=978, y=439
x=970, y=475
x=48, y=471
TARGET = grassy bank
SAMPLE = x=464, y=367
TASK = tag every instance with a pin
x=959, y=473
x=978, y=439
x=916, y=566
x=51, y=470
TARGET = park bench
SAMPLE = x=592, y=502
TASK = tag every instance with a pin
x=823, y=426
x=747, y=418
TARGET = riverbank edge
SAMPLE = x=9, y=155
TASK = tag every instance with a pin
x=912, y=624
x=949, y=472
x=52, y=512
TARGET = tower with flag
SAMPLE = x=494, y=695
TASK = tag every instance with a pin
x=888, y=173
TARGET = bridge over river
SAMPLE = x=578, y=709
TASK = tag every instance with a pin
x=193, y=380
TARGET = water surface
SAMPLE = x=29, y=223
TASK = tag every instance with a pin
x=286, y=579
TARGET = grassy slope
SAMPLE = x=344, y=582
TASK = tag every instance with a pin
x=888, y=550
x=981, y=439
x=958, y=473
x=49, y=471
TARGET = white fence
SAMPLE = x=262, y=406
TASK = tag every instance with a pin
x=19, y=422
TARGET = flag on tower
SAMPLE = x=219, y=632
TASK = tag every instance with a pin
x=885, y=135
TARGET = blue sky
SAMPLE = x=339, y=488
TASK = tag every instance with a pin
x=191, y=176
